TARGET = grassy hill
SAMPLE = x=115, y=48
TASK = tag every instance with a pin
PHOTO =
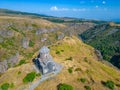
x=80, y=71
x=83, y=64
x=106, y=38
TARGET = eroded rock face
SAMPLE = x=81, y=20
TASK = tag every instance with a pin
x=25, y=42
x=13, y=60
x=61, y=36
x=1, y=40
x=4, y=65
x=6, y=33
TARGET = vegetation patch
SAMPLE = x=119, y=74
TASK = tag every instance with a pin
x=31, y=43
x=19, y=72
x=38, y=74
x=110, y=84
x=57, y=52
x=83, y=80
x=22, y=62
x=70, y=58
x=5, y=86
x=29, y=77
x=78, y=69
x=70, y=70
x=87, y=87
x=64, y=87
x=11, y=85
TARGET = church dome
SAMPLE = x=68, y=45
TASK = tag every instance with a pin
x=44, y=49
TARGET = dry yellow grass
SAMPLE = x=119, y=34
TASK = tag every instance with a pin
x=85, y=60
x=84, y=65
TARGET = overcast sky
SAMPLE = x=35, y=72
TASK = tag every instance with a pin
x=90, y=9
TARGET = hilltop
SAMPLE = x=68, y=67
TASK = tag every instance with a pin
x=83, y=64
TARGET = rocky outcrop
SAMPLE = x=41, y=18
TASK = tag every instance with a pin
x=13, y=60
x=60, y=36
x=25, y=42
x=6, y=33
x=4, y=65
x=43, y=30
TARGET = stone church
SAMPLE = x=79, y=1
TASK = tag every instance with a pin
x=44, y=62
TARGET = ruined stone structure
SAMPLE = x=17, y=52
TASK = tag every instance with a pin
x=44, y=62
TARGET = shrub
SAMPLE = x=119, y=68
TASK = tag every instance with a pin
x=78, y=69
x=5, y=86
x=22, y=62
x=110, y=84
x=19, y=72
x=62, y=50
x=57, y=52
x=29, y=77
x=83, y=80
x=65, y=87
x=70, y=70
x=87, y=87
x=31, y=43
x=11, y=85
x=70, y=58
x=38, y=74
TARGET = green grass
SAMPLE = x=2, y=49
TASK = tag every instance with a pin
x=64, y=87
x=29, y=77
x=70, y=58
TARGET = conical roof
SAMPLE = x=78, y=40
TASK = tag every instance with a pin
x=44, y=49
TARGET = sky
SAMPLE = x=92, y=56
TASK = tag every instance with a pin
x=88, y=9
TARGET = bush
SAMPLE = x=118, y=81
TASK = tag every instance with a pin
x=11, y=85
x=87, y=87
x=5, y=86
x=31, y=43
x=70, y=58
x=57, y=52
x=65, y=87
x=19, y=72
x=22, y=62
x=70, y=70
x=38, y=74
x=110, y=84
x=29, y=77
x=83, y=80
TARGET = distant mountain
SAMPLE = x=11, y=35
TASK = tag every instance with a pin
x=18, y=13
x=106, y=38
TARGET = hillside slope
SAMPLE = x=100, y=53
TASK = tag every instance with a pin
x=20, y=37
x=83, y=63
x=106, y=38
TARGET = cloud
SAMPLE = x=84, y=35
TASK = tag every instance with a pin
x=103, y=2
x=97, y=6
x=55, y=8
x=79, y=9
